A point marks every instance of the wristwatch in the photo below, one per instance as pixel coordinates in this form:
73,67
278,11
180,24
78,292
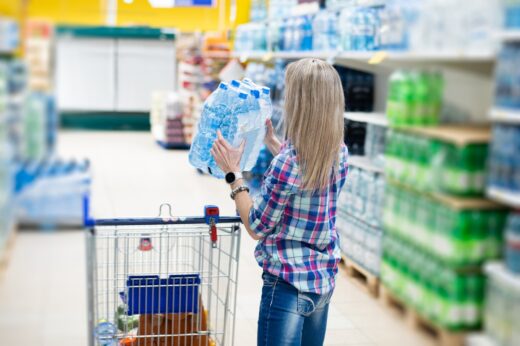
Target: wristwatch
231,177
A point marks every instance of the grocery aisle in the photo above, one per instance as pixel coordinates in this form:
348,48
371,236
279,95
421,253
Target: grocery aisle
44,292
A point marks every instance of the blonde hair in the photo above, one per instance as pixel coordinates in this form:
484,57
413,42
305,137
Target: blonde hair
314,106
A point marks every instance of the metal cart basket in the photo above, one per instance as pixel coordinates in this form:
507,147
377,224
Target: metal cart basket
163,281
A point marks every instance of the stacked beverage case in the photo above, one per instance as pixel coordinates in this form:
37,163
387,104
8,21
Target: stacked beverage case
414,98
433,165
507,92
456,235
239,110
504,160
448,297
359,218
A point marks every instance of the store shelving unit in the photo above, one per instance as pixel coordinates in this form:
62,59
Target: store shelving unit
509,35
504,196
365,163
505,115
470,68
374,57
455,134
369,118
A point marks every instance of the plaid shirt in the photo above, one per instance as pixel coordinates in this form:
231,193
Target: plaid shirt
298,228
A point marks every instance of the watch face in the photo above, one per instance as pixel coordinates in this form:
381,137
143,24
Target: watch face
230,177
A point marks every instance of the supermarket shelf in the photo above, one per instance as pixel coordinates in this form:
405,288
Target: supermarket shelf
456,134
456,202
380,58
216,55
497,270
466,202
369,118
365,163
509,35
504,196
505,115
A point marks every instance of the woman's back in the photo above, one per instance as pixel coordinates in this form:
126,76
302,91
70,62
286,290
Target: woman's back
300,242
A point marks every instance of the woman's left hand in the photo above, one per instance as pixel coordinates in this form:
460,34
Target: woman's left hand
226,156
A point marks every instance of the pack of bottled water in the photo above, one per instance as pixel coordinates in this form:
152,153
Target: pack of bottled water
325,31
251,37
239,110
50,192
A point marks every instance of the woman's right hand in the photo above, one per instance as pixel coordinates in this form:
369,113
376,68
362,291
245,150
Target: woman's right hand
272,143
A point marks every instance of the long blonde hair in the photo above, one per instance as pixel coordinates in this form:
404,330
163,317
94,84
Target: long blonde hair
314,105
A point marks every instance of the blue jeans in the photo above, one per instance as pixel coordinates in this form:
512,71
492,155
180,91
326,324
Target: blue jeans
289,317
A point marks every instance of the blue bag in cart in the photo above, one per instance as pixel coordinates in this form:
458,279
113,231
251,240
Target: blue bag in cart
239,110
150,294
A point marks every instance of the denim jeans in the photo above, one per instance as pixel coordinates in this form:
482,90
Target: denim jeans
289,317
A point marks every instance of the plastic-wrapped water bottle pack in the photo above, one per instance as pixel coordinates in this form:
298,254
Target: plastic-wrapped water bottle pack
239,110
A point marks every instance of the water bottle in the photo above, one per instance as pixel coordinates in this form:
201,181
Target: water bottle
318,30
105,333
251,130
265,103
214,110
346,27
306,29
296,38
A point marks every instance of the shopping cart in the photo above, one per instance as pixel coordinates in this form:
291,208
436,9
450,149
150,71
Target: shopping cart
162,281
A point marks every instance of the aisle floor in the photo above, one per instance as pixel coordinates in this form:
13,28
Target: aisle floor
43,291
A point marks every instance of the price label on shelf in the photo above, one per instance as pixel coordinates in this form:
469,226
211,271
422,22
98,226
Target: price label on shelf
378,58
268,56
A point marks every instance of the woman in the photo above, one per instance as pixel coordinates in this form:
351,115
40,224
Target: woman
294,217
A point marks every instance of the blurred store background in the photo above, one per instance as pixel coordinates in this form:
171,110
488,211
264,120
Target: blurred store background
429,218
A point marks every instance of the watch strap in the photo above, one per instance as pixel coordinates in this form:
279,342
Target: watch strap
238,175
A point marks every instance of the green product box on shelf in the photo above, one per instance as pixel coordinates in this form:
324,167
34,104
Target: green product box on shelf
457,236
433,165
414,98
449,297
462,169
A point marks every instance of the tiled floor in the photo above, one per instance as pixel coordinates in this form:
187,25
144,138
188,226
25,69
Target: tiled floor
43,293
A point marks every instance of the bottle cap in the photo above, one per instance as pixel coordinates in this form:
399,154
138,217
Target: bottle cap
223,85
255,93
235,83
266,90
247,81
242,95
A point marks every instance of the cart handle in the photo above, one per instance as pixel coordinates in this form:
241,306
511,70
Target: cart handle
190,220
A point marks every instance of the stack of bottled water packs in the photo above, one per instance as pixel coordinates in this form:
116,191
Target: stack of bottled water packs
239,110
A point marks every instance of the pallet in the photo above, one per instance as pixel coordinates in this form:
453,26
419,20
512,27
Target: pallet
441,335
5,253
361,277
